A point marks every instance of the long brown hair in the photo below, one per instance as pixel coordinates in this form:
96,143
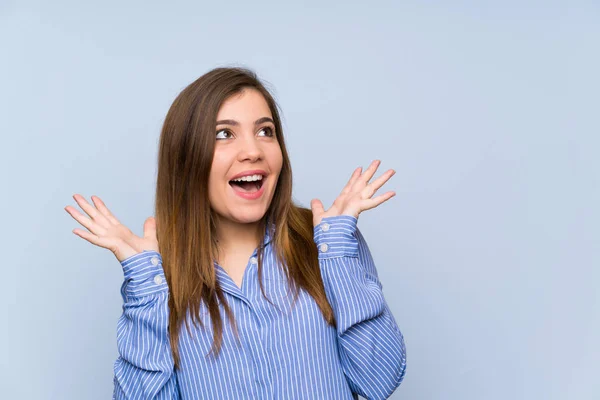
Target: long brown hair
185,225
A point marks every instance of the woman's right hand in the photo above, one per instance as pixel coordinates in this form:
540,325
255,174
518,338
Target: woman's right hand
106,231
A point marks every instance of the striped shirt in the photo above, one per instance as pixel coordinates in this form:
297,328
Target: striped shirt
283,352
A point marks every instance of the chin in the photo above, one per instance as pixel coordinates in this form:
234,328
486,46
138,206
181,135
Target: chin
247,217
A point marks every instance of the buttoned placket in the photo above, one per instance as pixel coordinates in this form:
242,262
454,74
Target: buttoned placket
255,342
258,343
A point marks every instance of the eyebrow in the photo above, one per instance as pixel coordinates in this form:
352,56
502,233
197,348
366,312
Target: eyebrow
235,123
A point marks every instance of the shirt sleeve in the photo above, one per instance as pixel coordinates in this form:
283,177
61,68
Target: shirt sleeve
145,367
371,346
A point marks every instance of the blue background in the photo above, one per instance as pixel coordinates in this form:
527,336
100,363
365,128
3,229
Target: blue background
488,254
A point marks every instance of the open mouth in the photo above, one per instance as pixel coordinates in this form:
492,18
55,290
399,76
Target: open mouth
250,186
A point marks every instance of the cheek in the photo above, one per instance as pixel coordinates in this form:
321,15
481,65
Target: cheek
275,159
216,181
212,187
218,169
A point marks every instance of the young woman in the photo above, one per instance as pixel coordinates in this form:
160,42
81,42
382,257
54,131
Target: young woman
235,292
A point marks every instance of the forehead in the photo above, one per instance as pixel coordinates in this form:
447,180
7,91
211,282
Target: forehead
246,105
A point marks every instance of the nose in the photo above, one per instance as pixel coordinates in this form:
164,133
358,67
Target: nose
250,149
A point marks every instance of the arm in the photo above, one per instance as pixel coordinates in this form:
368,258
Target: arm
144,368
371,346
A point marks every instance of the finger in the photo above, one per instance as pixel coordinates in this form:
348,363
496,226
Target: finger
91,210
353,179
368,174
317,207
374,186
94,239
150,228
374,202
85,221
104,210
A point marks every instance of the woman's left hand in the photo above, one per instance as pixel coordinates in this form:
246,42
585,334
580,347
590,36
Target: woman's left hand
356,195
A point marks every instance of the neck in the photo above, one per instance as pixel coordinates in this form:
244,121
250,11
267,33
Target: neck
233,235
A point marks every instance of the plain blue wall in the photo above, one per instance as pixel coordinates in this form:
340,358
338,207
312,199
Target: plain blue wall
488,255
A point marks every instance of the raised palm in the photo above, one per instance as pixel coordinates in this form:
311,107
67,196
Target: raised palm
106,231
356,196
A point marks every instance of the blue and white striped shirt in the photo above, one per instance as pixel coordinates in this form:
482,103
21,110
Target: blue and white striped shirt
285,353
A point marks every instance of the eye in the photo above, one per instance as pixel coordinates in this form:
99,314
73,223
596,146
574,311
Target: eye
270,131
225,131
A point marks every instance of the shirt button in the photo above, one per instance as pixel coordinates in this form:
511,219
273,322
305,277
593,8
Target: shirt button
154,260
158,279
254,260
324,247
325,226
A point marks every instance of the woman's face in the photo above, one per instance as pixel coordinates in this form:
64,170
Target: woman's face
245,144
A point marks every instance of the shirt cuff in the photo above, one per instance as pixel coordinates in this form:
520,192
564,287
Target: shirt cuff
335,237
144,274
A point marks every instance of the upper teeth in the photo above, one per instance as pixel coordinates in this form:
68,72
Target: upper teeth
249,178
